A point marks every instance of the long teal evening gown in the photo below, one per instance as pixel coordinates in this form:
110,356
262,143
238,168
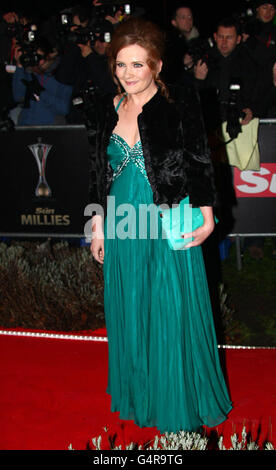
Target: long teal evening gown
164,367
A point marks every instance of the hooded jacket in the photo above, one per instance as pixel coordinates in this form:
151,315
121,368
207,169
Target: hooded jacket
174,143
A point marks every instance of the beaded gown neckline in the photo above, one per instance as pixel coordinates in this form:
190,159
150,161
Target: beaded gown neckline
118,135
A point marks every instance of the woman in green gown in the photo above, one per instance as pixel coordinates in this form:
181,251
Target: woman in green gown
164,367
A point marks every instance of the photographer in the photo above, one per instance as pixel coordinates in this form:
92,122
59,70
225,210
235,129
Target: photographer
260,35
44,100
87,42
182,32
7,61
94,66
93,76
267,102
260,42
230,64
68,21
82,40
226,66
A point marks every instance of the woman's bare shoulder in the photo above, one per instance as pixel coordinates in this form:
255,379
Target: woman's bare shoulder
117,98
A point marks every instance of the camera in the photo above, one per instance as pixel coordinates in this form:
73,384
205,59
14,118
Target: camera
107,8
68,32
199,49
88,104
89,34
246,21
30,56
233,110
66,19
98,27
22,33
86,96
26,38
28,47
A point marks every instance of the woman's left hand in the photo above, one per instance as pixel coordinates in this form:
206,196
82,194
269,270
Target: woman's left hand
200,234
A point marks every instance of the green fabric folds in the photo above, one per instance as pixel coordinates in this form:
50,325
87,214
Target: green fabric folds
164,368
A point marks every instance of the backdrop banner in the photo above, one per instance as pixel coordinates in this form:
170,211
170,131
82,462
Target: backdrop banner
255,209
44,180
44,183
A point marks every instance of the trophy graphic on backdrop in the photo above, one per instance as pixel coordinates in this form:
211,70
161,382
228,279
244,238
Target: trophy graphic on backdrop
41,152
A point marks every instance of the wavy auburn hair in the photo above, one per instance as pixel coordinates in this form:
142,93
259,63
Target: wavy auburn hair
144,33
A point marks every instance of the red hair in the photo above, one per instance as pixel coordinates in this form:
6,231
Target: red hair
147,35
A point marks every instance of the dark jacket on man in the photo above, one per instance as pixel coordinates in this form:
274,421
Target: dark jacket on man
237,68
261,44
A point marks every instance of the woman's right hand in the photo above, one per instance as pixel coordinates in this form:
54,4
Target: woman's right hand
97,244
97,249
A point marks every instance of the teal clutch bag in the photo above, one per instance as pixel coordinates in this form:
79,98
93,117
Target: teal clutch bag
179,220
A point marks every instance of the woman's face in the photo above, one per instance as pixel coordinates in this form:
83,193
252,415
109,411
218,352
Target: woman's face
132,70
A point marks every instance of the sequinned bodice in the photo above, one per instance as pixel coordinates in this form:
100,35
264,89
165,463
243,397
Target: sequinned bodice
120,154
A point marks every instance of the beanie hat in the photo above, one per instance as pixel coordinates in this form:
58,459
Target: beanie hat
258,3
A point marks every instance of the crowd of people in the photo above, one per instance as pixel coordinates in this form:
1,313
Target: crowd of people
50,68
44,67
234,73
242,51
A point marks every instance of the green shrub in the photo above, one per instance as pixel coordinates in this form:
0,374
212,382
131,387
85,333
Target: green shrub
50,286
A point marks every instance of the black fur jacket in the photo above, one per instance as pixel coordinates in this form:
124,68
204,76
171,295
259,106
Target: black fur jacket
175,149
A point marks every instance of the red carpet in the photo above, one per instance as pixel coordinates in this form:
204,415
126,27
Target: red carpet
53,394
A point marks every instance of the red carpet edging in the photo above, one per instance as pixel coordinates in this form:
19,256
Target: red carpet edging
96,335
53,335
